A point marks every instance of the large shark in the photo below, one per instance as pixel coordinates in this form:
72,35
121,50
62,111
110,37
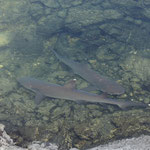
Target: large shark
69,92
99,82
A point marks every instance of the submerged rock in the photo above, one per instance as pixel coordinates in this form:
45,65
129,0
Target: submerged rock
139,66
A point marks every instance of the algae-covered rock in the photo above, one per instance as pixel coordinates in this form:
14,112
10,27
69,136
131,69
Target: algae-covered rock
45,110
131,122
13,12
6,85
147,13
139,66
96,127
110,126
4,38
103,54
69,3
27,43
47,26
51,3
60,111
84,15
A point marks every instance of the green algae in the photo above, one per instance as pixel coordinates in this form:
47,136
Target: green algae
4,39
139,66
45,110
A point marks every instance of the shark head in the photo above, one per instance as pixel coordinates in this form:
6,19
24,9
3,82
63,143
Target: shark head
26,82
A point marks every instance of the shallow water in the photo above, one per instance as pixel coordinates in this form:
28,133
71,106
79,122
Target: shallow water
112,37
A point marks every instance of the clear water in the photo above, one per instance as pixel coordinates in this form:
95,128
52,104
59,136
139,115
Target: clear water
112,37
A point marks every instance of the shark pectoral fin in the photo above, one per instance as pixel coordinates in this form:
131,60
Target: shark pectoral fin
71,84
38,97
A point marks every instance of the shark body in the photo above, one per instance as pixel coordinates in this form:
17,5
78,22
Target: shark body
99,82
69,92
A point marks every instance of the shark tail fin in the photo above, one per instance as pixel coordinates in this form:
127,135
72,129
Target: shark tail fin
126,104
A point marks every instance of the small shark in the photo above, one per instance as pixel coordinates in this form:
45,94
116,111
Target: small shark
69,92
99,82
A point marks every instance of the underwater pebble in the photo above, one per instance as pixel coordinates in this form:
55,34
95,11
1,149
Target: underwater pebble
123,96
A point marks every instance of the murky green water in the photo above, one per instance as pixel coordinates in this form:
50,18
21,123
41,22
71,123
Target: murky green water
111,36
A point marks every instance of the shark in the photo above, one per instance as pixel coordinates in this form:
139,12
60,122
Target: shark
98,82
69,92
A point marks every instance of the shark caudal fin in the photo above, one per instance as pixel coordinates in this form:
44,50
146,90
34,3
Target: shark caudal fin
126,104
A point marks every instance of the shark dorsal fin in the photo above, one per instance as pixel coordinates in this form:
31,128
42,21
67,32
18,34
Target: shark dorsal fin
71,84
